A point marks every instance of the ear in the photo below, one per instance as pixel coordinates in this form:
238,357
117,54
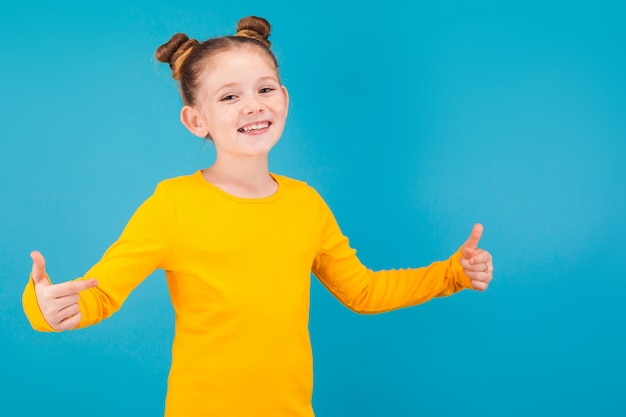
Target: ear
284,90
191,118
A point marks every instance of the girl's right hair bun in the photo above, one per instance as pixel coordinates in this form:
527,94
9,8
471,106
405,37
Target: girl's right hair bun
256,28
171,52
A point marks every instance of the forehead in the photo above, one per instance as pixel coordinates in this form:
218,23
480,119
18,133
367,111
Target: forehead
239,64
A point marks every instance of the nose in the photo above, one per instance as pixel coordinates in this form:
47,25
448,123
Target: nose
252,105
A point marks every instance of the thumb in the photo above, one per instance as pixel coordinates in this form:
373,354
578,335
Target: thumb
471,244
39,269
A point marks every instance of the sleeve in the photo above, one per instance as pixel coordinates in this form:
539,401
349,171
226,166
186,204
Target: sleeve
143,247
368,292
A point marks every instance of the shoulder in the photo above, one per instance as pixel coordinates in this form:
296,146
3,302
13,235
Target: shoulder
292,185
302,194
181,181
289,182
180,184
172,191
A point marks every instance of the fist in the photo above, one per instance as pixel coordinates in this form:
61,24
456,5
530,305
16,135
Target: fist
58,302
477,263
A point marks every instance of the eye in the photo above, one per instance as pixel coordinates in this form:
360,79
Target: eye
228,97
266,90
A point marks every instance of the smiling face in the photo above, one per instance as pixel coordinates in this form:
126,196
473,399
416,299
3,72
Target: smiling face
241,104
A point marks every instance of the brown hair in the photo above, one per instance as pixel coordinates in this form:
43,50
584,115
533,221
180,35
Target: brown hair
188,57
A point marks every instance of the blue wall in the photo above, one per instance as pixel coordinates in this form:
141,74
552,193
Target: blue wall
413,122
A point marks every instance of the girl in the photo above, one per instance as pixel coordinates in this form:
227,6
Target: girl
238,244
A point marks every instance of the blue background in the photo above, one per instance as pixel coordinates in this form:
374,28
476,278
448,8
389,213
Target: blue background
413,121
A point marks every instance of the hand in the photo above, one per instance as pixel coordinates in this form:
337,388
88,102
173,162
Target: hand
477,263
58,302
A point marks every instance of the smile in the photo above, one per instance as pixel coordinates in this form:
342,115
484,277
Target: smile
255,127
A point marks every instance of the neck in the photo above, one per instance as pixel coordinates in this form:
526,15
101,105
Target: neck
246,178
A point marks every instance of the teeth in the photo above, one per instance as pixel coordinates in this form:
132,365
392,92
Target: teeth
257,126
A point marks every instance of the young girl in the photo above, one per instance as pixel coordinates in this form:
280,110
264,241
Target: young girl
238,244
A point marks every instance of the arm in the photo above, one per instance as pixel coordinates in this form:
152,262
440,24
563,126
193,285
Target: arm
367,291
142,247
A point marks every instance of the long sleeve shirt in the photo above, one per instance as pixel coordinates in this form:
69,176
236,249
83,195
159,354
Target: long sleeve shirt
238,272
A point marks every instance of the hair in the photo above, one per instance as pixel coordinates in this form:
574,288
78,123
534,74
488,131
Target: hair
188,57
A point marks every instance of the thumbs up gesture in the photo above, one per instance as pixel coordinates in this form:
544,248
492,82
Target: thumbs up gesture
58,302
477,263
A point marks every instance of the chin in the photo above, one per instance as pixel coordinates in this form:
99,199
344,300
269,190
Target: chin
263,147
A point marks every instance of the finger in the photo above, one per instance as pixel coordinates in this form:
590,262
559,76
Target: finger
69,323
482,267
465,264
471,268
39,268
472,241
485,277
480,285
72,287
59,303
56,317
69,311
471,244
480,257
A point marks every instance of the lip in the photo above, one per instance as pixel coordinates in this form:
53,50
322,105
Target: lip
257,130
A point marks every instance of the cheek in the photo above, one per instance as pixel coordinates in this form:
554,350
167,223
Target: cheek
224,119
281,109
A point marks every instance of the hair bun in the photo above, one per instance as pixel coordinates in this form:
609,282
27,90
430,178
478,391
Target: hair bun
175,51
256,28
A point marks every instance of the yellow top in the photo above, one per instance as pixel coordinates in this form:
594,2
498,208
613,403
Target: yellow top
238,272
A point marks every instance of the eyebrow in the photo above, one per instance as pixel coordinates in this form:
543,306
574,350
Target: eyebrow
231,85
